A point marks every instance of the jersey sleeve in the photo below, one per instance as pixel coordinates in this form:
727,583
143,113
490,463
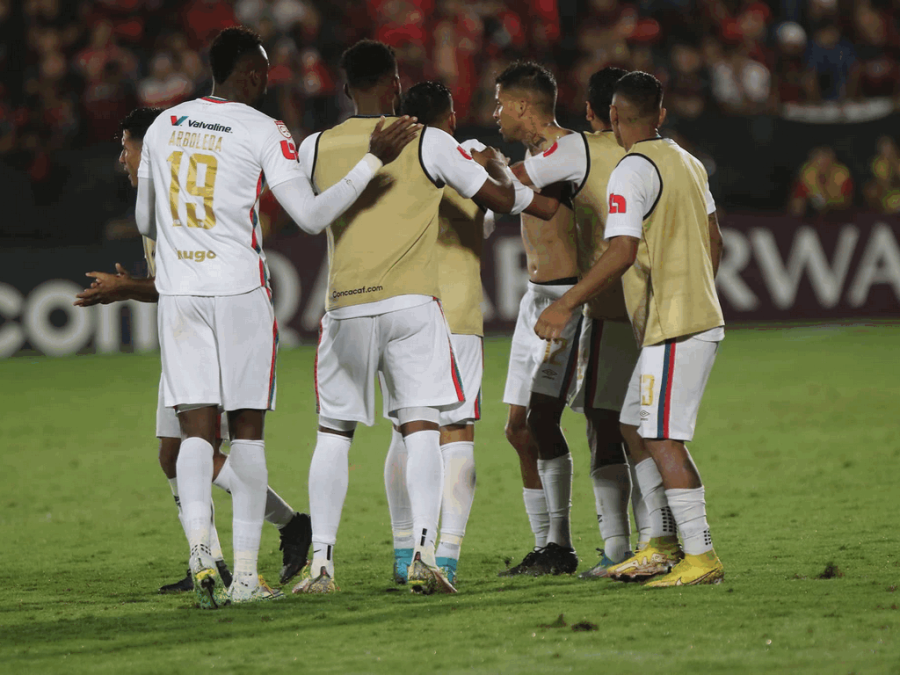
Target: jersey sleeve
710,202
632,192
307,154
563,162
277,153
445,161
145,168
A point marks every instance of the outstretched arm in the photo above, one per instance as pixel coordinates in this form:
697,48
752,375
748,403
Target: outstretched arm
312,212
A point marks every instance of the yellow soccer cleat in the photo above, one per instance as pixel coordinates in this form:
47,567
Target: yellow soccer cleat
657,557
694,570
239,594
427,580
321,584
209,589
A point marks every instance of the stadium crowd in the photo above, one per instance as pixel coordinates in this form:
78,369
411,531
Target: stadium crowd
84,64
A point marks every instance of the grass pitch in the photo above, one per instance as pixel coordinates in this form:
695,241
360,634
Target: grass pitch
797,443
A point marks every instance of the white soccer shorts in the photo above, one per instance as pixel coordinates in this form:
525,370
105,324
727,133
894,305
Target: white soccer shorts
409,347
607,355
536,365
167,425
219,350
468,350
665,390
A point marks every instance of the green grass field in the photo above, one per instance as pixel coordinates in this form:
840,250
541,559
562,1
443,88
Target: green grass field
797,443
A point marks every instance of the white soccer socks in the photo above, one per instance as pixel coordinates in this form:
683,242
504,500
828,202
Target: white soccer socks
662,524
556,477
689,509
248,496
425,484
397,494
538,515
278,511
194,469
612,489
459,493
641,514
329,475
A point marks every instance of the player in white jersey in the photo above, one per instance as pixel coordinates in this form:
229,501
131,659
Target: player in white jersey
204,165
607,353
381,311
294,528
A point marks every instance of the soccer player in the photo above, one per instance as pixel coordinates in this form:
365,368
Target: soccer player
607,353
664,238
462,230
294,528
203,166
540,374
381,309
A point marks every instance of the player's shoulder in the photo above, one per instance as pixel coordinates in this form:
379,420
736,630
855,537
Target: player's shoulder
472,144
568,145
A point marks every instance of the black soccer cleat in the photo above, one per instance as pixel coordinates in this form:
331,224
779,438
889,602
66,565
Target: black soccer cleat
224,572
526,564
182,586
554,559
296,538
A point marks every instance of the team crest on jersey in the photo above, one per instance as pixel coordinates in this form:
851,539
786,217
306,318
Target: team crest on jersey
463,152
282,127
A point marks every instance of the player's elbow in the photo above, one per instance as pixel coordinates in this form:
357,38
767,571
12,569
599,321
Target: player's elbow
506,199
626,250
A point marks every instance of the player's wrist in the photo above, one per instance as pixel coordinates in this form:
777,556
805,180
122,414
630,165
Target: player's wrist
373,162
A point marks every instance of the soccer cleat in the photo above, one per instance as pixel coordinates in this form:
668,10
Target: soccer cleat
240,595
427,580
554,559
694,570
658,557
182,586
529,560
321,584
209,589
224,572
601,569
447,566
296,538
402,561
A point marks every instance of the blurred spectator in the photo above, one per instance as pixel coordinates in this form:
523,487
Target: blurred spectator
688,93
457,42
106,100
793,81
823,184
830,57
876,71
203,19
165,86
740,85
883,190
101,49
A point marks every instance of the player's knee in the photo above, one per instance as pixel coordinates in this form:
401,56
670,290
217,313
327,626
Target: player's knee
517,434
603,426
541,420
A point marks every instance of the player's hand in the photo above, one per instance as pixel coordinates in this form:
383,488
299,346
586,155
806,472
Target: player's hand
552,321
105,289
386,144
488,154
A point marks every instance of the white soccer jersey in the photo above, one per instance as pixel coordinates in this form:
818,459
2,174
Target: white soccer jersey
209,160
565,161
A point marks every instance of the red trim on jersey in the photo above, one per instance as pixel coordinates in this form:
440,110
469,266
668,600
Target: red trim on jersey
549,151
214,100
254,242
272,368
594,362
463,152
670,377
454,369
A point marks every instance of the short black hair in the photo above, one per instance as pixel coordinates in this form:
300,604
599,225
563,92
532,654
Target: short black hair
427,101
532,77
228,48
600,90
643,91
138,121
367,62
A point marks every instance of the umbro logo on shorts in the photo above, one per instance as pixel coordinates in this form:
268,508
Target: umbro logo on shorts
549,373
645,414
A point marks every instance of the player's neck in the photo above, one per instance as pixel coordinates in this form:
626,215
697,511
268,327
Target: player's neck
229,93
598,126
643,134
540,134
374,104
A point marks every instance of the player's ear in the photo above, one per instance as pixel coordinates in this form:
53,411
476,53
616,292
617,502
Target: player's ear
347,91
662,117
588,111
